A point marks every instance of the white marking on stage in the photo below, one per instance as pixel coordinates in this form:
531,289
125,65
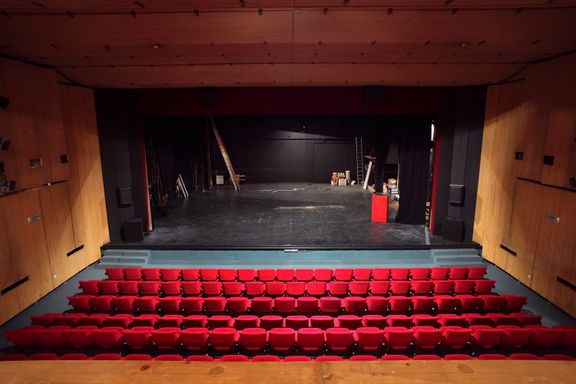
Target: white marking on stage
309,207
281,190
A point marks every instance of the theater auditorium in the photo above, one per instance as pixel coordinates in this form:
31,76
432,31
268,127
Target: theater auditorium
299,191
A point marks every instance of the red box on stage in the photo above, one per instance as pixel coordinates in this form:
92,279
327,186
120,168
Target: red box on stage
379,208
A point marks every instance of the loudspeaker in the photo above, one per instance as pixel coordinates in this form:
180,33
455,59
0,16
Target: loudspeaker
124,195
453,229
132,230
456,196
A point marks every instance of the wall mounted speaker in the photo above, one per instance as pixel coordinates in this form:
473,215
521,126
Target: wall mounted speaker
124,195
132,230
456,196
453,229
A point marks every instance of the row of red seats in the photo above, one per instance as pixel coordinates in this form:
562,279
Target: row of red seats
301,274
303,305
294,288
307,340
274,358
293,321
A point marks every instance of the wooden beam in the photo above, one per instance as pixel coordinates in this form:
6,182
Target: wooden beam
224,154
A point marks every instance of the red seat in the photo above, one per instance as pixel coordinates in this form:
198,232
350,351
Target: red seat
343,274
307,305
246,321
316,288
330,305
338,288
297,358
443,287
108,338
192,304
568,339
362,274
323,274
483,287
400,304
195,321
269,322
70,320
359,288
215,304
95,319
262,305
79,337
339,339
223,339
228,274
275,288
463,287
476,272
486,337
529,319
348,321
132,273
44,356
400,287
169,357
321,321
245,275
128,287
234,358
493,303
457,356
115,273
363,358
380,274
295,288
503,319
73,356
212,288
190,274
171,288
421,304
379,287
200,358
102,303
514,303
427,337
419,273
458,273
310,339
477,319
399,273
169,304
426,357
149,287
447,304
166,338
544,337
233,288
557,356
220,321
149,320
253,339
138,337
281,339
265,358
492,356
469,303
89,287
238,305
146,304
108,287
329,358
377,304
122,321
523,356
304,275
397,338
170,274
376,321
369,338
455,337
424,320
399,321
395,357
46,319
80,303
170,321
151,274
285,275
192,288
266,275
254,288
422,287
354,304
208,274
285,305
450,319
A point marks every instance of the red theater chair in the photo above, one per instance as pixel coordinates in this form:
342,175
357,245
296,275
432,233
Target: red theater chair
192,304
457,356
374,321
220,321
399,321
285,305
190,274
266,275
400,287
281,339
330,305
369,338
285,275
349,321
122,321
245,275
400,304
424,320
329,358
44,356
138,337
395,357
343,274
169,357
458,273
128,287
493,303
146,304
73,356
238,305
398,338
310,339
377,304
514,303
476,272
354,304
557,356
169,304
359,288
145,321
426,357
450,319
149,287
234,358
544,337
447,304
253,339
102,303
528,319
212,288
295,288
208,274
422,287
233,288
151,274
170,321
339,339
80,303
492,356
275,288
484,287
266,358
80,337
170,274
427,337
363,358
439,273
321,321
568,338
166,338
469,303
195,321
115,273
380,274
255,288
200,358
89,287
132,273
108,338
215,304
523,356
338,288
246,321
228,274
262,305
399,273
108,287
463,287
191,288
137,356
70,320
486,337
297,358
107,356
503,319
362,274
304,275
323,274
171,288
455,337
419,273
421,304
316,288
477,319
443,287
95,319
269,322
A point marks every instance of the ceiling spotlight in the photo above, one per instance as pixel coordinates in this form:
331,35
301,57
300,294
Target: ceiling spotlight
156,46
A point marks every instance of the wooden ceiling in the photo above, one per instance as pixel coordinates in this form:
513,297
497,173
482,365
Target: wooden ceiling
191,43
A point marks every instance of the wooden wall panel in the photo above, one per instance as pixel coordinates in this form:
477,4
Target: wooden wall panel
9,306
57,218
86,186
7,276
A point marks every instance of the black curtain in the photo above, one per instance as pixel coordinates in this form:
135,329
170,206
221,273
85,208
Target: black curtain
414,171
382,144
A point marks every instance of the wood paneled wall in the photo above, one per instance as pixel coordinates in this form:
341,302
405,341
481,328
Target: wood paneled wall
520,195
54,222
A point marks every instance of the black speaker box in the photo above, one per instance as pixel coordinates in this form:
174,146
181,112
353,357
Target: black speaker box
132,230
453,229
124,195
456,195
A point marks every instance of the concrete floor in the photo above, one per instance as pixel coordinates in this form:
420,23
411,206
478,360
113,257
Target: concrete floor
282,215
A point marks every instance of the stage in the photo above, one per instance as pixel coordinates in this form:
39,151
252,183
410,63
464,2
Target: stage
282,215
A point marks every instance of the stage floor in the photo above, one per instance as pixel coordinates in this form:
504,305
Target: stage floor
282,215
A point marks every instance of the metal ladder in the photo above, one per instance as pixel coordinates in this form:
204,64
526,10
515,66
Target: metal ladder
359,160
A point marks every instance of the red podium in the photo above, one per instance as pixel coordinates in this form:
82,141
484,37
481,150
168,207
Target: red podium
379,208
